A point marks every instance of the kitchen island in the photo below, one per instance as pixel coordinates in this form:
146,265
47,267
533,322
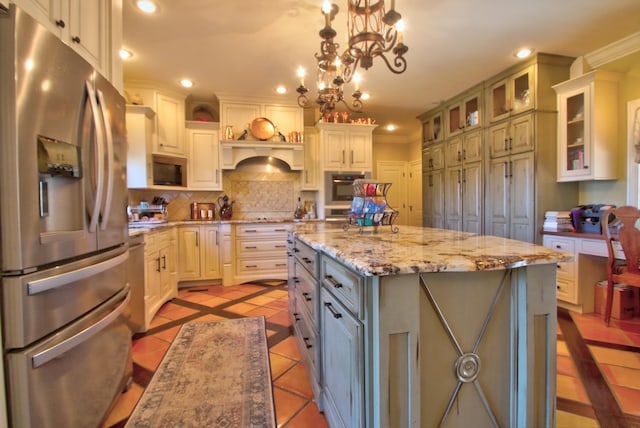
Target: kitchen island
425,327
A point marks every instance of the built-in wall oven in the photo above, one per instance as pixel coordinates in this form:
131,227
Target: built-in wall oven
339,186
338,193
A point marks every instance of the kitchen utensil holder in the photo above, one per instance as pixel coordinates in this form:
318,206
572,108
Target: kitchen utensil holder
370,208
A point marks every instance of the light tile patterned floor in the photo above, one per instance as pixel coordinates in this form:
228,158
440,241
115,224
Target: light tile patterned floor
615,349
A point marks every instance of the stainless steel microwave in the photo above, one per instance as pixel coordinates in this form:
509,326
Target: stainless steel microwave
339,186
169,171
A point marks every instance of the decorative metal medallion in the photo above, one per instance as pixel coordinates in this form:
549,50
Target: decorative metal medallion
467,367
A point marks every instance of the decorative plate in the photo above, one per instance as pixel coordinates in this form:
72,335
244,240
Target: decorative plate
262,128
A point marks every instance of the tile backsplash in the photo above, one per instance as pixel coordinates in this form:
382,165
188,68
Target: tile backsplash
256,194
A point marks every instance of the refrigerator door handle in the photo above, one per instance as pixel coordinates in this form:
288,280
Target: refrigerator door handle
49,283
55,351
109,144
95,214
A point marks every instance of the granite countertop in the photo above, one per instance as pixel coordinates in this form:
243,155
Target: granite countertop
417,249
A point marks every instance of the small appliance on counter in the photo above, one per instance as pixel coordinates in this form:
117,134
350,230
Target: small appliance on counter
146,213
586,218
203,211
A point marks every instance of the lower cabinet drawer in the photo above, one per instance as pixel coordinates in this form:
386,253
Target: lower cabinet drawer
308,343
257,248
567,291
342,283
306,293
262,265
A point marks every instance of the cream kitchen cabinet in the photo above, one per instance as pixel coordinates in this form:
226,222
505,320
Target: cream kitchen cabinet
238,113
433,202
588,127
169,137
203,145
198,249
576,279
160,283
346,147
511,201
170,125
260,251
86,26
512,94
512,136
311,173
463,182
432,128
140,126
464,112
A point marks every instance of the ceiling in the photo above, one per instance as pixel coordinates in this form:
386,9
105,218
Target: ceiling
246,48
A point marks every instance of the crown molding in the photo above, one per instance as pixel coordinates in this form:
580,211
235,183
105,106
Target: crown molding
613,51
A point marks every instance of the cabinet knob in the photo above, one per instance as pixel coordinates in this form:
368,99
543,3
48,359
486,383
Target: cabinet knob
75,39
60,23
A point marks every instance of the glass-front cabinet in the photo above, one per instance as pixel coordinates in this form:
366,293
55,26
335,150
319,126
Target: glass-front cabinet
587,127
432,129
464,113
512,95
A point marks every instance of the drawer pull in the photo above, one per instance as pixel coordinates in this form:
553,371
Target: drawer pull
250,230
295,316
333,282
280,246
559,247
306,343
335,313
280,264
250,247
252,266
280,230
306,296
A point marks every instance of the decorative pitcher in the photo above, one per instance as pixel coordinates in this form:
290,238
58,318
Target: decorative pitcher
226,207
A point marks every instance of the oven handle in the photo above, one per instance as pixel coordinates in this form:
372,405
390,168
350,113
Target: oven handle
46,284
44,357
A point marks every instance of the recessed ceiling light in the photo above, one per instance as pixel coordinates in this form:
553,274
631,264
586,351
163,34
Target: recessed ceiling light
125,54
523,53
186,83
391,127
281,90
365,96
146,6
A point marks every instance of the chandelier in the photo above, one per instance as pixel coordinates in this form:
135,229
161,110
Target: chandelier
374,32
334,70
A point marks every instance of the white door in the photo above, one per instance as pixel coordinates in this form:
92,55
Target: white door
394,172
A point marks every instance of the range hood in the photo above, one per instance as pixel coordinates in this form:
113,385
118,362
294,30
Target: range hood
234,152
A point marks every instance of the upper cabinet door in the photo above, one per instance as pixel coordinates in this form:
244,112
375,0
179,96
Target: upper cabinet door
84,25
464,114
170,125
512,95
587,127
432,129
87,30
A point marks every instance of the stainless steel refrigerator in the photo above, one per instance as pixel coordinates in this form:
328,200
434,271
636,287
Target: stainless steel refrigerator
63,231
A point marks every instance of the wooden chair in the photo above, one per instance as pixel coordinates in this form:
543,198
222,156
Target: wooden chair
627,270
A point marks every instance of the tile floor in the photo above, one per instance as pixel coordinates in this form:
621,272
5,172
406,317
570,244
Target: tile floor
596,364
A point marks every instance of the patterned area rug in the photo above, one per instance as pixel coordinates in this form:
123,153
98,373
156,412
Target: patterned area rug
215,374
